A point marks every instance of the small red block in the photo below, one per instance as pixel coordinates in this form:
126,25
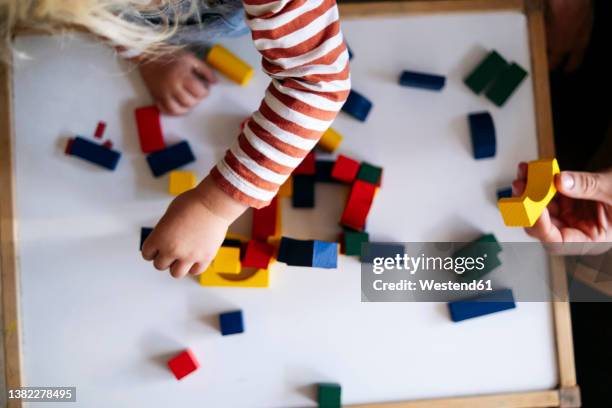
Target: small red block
345,169
68,146
307,166
108,144
264,221
100,130
257,255
358,205
183,364
149,129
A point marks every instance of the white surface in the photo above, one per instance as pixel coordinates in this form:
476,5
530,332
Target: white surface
98,317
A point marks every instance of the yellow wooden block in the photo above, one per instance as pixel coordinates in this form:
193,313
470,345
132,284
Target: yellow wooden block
259,278
229,65
241,238
227,260
525,210
330,140
181,181
286,189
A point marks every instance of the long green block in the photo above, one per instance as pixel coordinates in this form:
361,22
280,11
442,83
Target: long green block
370,173
487,244
486,72
505,84
353,241
329,395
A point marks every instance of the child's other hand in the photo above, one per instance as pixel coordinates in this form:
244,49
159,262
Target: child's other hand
191,231
177,83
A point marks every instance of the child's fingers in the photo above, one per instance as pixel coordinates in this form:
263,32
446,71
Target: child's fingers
170,107
196,269
149,252
196,88
163,262
185,99
180,268
205,71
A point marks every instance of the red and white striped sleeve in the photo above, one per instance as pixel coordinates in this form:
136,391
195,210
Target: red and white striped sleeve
305,55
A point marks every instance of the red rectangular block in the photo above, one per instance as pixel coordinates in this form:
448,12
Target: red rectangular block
264,221
358,205
183,364
149,129
345,169
307,166
100,130
257,255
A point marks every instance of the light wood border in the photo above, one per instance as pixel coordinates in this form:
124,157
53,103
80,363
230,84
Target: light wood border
566,395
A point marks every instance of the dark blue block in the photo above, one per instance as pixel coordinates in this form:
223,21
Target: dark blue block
171,158
482,131
357,105
303,191
296,252
422,80
231,322
94,153
323,171
235,243
371,250
504,193
349,51
144,233
493,302
325,255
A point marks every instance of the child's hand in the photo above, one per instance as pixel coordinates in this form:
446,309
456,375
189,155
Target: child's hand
188,236
177,84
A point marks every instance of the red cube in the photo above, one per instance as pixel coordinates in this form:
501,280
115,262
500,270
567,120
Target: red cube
264,221
183,364
307,166
345,169
257,255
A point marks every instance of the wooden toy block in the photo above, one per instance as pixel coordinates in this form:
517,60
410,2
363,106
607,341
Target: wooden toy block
345,169
482,305
350,51
286,189
352,241
93,153
370,173
295,252
230,65
303,191
505,84
487,247
170,158
486,72
482,133
181,181
257,255
227,260
108,144
357,105
422,80
307,166
504,193
150,133
231,322
265,220
259,279
380,250
330,140
183,364
358,205
100,128
237,237
144,234
325,255
329,395
228,242
525,210
324,171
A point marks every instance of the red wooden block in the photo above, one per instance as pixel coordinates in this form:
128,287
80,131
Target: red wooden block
358,205
108,144
68,146
307,166
345,169
149,129
264,221
183,364
257,255
100,130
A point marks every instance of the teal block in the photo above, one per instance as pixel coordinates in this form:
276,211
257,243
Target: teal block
370,173
505,84
329,395
486,72
353,241
486,244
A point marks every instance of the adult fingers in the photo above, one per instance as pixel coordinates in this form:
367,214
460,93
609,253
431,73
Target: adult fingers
586,186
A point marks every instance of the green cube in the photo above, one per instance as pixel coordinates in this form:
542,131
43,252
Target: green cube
486,72
329,395
353,241
485,245
370,173
505,84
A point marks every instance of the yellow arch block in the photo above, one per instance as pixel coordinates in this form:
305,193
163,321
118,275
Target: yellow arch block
229,65
260,278
525,210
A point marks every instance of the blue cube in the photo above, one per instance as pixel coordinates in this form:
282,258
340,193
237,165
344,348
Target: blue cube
231,322
357,105
325,255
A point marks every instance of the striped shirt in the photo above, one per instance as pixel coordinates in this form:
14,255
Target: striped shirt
304,53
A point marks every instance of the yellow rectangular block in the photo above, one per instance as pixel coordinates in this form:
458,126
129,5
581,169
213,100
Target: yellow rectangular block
286,189
229,65
227,261
260,278
330,140
181,181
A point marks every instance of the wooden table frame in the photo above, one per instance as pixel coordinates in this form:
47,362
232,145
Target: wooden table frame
565,394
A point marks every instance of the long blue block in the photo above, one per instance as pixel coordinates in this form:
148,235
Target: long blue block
493,302
295,252
325,255
422,80
94,153
373,250
171,158
357,105
482,131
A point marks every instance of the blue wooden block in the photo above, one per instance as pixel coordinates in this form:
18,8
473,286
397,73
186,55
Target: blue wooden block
482,131
170,158
324,170
144,233
493,302
373,250
94,153
231,322
303,191
422,80
350,52
325,255
504,193
295,252
357,105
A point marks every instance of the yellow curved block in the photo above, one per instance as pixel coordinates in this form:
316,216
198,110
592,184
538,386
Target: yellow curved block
229,65
330,140
260,278
525,210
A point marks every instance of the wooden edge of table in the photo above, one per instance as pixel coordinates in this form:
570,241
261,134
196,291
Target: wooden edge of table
394,8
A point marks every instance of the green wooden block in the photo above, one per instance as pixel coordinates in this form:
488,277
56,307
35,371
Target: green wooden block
485,245
329,395
505,84
370,173
486,72
353,241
